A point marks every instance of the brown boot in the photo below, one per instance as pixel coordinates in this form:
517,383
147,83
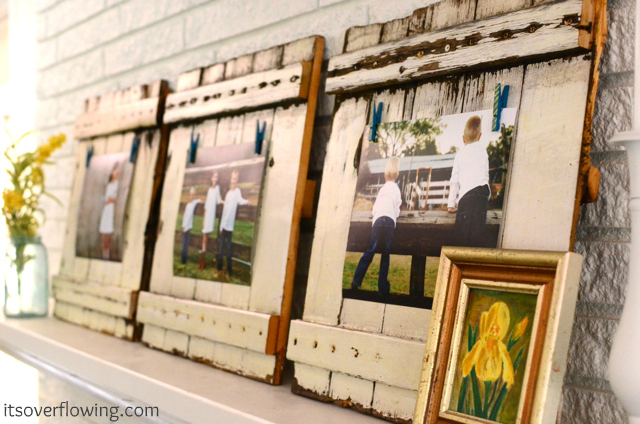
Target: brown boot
202,260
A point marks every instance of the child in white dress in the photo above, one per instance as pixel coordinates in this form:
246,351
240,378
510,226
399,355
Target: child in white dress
213,199
187,223
107,217
232,199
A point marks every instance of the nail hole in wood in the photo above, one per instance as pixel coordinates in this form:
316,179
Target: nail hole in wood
262,85
294,78
192,101
206,98
447,47
182,103
568,20
315,345
271,163
244,90
276,82
260,332
333,348
243,329
401,69
217,95
295,342
419,54
232,92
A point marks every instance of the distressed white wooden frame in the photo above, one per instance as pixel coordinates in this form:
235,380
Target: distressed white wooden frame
96,293
551,97
287,142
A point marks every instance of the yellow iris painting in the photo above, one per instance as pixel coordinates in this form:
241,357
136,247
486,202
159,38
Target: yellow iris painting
490,368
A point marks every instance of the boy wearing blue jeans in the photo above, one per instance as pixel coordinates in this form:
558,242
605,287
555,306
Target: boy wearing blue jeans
386,210
232,200
187,224
470,183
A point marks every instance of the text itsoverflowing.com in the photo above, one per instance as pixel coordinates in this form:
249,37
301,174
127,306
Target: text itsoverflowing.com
114,413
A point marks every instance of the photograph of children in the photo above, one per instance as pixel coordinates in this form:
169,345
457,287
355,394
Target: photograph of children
102,207
217,214
422,185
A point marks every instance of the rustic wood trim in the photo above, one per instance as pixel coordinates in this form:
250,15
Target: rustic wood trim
130,109
272,336
287,293
309,199
110,300
246,92
535,33
588,180
235,327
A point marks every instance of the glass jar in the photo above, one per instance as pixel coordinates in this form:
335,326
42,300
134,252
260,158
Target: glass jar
26,278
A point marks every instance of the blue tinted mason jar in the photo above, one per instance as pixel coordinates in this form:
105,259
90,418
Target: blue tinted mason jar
26,278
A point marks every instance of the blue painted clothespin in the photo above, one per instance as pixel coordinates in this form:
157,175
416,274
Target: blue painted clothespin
89,154
135,146
260,136
376,117
195,138
499,103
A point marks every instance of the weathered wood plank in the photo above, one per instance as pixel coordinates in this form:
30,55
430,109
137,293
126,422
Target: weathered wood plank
189,80
548,142
136,217
153,336
302,50
531,32
373,357
176,343
311,380
277,209
324,288
488,8
250,91
107,299
230,130
238,67
235,296
395,30
245,329
182,287
448,13
213,74
394,403
362,316
67,267
405,322
351,389
360,37
140,114
268,59
162,270
208,291
98,321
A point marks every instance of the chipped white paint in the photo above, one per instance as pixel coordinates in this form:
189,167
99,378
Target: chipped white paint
111,300
141,114
552,35
405,322
249,330
312,378
361,315
394,402
253,90
370,356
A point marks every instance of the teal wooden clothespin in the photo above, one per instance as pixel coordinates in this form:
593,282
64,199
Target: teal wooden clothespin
260,136
195,138
376,117
499,103
89,154
135,146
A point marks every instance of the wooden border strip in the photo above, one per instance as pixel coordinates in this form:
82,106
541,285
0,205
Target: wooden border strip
141,114
250,91
549,29
245,329
110,300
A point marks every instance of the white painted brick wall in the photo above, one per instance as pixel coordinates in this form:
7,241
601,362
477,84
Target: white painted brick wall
88,47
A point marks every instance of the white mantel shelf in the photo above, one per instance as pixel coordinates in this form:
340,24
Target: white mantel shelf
193,392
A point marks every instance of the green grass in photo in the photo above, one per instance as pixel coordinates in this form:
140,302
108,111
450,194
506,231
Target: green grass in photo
241,272
399,273
242,231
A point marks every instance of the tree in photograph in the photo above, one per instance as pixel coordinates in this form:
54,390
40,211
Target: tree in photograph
406,138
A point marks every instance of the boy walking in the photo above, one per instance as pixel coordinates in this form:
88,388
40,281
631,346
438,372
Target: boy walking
470,184
386,210
232,199
187,223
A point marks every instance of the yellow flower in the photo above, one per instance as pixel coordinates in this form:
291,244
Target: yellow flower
44,152
37,176
520,328
12,200
56,141
490,355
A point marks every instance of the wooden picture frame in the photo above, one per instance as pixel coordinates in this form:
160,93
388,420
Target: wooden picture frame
541,288
90,291
404,64
238,328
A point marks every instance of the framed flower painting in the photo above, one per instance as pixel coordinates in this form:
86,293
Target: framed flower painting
499,336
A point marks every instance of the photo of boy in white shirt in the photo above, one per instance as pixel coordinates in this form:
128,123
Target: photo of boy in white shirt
470,186
232,199
386,210
187,223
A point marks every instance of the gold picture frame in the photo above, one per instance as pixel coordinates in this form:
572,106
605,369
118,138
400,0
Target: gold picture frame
499,337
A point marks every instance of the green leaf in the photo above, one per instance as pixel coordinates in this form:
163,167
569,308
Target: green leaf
496,407
518,359
487,389
23,136
463,394
51,196
470,339
477,401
